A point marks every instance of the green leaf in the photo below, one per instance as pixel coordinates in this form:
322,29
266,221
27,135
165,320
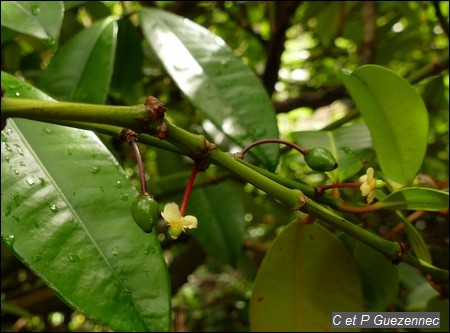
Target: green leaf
439,304
305,276
128,63
396,117
39,19
418,244
215,81
379,278
220,216
66,215
416,198
342,143
81,70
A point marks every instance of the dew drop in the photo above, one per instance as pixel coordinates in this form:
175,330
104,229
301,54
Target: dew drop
19,150
118,184
8,148
7,159
9,240
35,9
22,164
16,198
74,258
150,250
16,171
8,210
47,130
17,94
42,181
37,257
124,196
114,252
30,181
95,170
54,208
51,42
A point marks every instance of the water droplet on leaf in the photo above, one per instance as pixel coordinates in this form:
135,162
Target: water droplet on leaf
37,257
8,210
9,240
35,10
118,184
42,181
19,150
30,181
74,258
95,170
54,208
16,198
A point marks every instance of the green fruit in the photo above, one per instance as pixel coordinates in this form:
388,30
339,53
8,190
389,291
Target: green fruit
320,159
145,211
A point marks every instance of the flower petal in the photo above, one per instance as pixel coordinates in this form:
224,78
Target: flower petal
189,221
369,175
371,196
171,212
365,189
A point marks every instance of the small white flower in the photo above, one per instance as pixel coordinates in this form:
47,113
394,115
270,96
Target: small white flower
369,185
177,223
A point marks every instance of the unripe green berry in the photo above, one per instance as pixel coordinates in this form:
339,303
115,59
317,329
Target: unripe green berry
145,211
320,159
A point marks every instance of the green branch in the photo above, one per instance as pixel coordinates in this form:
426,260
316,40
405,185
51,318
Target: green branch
200,150
123,116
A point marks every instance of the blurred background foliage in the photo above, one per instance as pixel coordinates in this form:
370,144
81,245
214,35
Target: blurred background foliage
296,48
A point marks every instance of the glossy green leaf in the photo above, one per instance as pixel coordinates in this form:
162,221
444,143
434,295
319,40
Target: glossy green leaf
396,117
342,143
220,216
127,64
379,278
40,19
305,276
418,244
81,70
66,215
439,304
215,81
416,198
419,297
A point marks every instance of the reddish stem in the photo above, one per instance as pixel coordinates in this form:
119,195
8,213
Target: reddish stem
339,185
303,151
187,192
140,165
